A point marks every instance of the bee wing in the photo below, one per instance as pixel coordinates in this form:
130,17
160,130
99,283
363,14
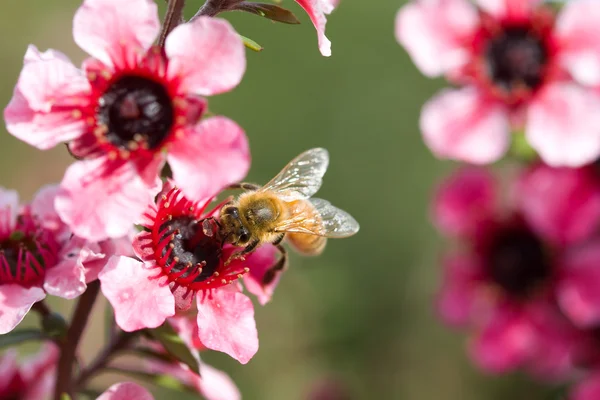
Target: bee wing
301,178
322,219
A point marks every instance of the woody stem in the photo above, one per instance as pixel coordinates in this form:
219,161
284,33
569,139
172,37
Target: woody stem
69,346
173,17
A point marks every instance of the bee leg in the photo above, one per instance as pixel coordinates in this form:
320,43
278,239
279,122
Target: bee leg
278,240
240,254
280,265
244,186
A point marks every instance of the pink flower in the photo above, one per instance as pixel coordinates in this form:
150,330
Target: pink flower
126,391
505,281
578,290
316,10
34,379
39,256
130,109
212,384
513,63
587,389
182,260
573,212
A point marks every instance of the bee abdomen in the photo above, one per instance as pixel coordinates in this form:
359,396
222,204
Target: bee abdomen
309,245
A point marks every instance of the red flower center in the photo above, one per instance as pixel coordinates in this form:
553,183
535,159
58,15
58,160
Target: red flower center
16,388
26,253
516,59
187,245
191,246
136,109
517,261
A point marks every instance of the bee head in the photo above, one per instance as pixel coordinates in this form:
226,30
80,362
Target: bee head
234,230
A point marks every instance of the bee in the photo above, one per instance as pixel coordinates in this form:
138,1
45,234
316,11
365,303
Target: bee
284,208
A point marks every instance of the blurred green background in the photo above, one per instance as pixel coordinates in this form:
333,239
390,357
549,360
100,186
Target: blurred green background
361,315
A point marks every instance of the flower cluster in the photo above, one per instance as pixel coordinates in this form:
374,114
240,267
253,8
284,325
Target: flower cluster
518,67
132,217
524,276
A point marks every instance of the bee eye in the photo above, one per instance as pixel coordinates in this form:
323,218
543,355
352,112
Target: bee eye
243,236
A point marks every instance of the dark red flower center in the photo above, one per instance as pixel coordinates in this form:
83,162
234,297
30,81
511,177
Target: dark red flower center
187,245
194,250
517,261
136,109
15,389
26,254
515,59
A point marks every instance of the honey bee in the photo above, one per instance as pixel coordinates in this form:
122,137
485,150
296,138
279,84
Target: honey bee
283,208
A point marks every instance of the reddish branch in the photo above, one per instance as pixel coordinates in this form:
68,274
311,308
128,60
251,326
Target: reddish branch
69,346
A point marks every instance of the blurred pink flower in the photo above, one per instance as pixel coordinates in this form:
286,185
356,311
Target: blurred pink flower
39,256
126,391
130,109
182,259
212,384
506,279
562,203
316,10
33,379
587,389
513,63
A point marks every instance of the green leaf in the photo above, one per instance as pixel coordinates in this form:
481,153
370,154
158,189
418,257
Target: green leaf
147,353
166,335
17,337
55,326
251,44
269,11
65,396
164,381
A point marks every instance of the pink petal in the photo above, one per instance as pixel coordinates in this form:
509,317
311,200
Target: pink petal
563,125
561,204
44,109
460,124
504,344
42,208
579,32
139,301
33,54
511,9
464,201
216,385
211,157
9,208
556,341
259,263
436,33
15,303
187,330
45,358
579,291
226,323
94,256
9,368
316,10
588,389
67,278
39,372
99,206
107,29
459,292
218,61
126,391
